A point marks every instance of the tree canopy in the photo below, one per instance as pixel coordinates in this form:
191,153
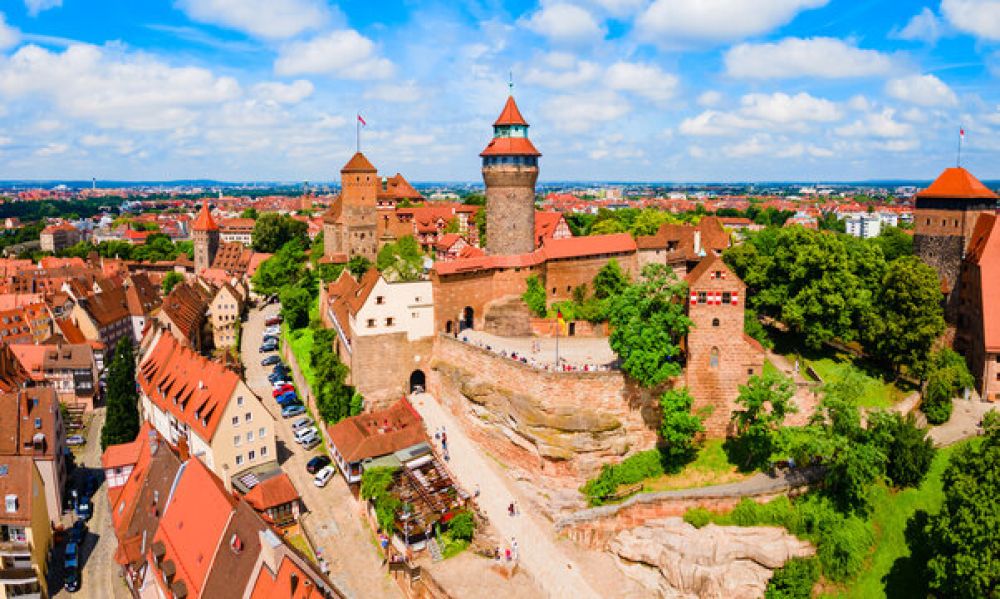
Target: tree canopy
402,260
285,267
679,428
170,280
764,402
648,322
121,423
273,231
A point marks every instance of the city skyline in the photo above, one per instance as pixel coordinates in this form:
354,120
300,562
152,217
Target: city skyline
618,90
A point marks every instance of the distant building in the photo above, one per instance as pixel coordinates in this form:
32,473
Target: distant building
205,235
357,442
59,237
863,225
225,311
349,226
238,230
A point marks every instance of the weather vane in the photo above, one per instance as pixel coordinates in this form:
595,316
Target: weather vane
510,83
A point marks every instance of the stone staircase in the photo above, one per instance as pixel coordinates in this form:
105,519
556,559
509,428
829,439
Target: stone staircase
435,550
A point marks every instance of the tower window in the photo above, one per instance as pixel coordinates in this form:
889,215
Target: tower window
713,358
726,298
715,322
702,297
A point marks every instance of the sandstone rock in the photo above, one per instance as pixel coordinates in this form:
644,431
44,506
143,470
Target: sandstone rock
674,559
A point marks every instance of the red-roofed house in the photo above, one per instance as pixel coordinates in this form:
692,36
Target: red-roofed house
550,225
276,500
59,237
376,434
185,395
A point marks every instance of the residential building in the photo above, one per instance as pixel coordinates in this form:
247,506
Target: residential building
360,441
69,368
184,312
59,237
142,297
225,311
104,317
25,530
865,225
31,425
681,247
237,230
276,500
187,396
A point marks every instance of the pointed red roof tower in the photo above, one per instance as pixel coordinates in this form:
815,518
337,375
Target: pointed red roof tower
204,220
510,170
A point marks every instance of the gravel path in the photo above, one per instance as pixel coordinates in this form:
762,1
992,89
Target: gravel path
540,555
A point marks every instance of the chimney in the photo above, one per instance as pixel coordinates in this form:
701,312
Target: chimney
697,242
183,451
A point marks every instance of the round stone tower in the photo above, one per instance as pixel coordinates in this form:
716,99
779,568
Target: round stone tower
510,169
205,238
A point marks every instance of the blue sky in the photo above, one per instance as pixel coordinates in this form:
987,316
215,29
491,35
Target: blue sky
659,90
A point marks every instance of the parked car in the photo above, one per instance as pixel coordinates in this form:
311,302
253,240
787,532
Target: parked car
84,508
72,552
292,410
311,442
71,577
289,399
76,440
279,383
324,476
268,347
274,320
305,433
282,390
276,376
279,369
269,339
302,423
272,330
271,360
317,463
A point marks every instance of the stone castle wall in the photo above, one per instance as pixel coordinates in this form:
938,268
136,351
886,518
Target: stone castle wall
561,426
563,275
381,366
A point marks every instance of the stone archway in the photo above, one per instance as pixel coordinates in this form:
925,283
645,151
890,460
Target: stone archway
468,319
449,327
418,381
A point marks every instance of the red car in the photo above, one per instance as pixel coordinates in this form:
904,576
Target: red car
282,389
273,321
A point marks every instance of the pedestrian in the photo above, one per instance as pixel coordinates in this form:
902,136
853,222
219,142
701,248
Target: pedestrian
510,509
476,495
507,553
513,544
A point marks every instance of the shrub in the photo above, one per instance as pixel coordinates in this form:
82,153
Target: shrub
907,447
534,296
698,517
794,580
842,549
462,526
636,468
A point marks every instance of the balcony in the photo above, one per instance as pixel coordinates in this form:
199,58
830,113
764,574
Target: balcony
14,549
18,576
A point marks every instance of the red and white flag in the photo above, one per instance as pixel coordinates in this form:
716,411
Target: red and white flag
362,121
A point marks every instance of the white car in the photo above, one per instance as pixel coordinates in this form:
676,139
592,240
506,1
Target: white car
323,476
272,330
278,384
305,434
302,423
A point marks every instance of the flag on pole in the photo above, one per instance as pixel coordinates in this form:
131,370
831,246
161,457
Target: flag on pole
362,121
559,321
961,133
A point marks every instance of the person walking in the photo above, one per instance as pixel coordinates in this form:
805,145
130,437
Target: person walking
513,545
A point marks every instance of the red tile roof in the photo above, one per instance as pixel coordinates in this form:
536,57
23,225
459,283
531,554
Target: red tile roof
956,182
578,247
358,164
272,492
510,146
510,115
204,221
286,583
378,433
545,225
126,454
200,387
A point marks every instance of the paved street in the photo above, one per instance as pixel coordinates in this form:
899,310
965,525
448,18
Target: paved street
100,578
540,555
334,520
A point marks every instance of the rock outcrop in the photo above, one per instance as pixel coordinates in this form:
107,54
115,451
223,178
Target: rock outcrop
674,559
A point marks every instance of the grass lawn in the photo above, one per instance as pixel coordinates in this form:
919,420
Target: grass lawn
771,369
888,565
301,341
880,390
711,467
299,542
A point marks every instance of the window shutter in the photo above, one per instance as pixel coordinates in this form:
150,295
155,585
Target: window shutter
736,298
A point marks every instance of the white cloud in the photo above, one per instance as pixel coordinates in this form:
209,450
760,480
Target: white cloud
709,98
565,23
284,93
925,26
644,80
113,89
401,92
8,35
270,19
822,57
676,22
52,149
859,103
978,17
763,112
923,90
579,112
36,6
122,146
619,8
783,108
560,70
877,125
344,53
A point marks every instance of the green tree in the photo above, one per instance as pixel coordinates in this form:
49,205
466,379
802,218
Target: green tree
764,402
610,280
375,487
909,317
295,304
649,220
908,450
273,231
753,327
480,222
851,470
462,526
358,265
648,323
534,297
402,260
607,227
965,534
283,268
249,213
452,226
947,376
894,243
679,428
474,199
170,280
794,580
121,423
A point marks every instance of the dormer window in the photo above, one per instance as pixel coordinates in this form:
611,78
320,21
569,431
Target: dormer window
10,502
379,300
